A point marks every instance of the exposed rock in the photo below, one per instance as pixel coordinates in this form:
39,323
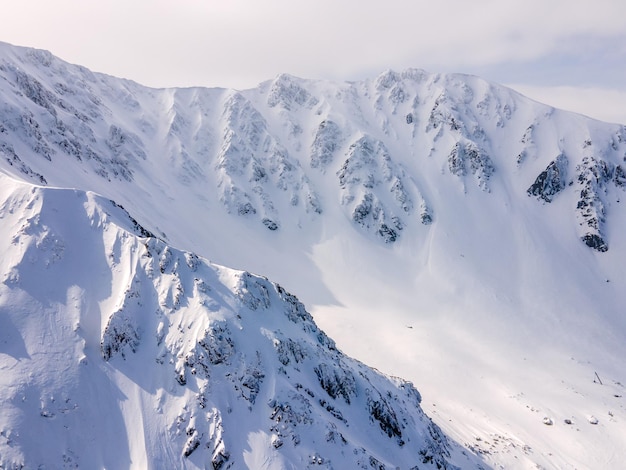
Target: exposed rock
136,226
595,241
593,177
216,347
253,291
387,80
456,162
7,151
270,224
443,114
286,92
619,177
385,416
468,154
336,381
368,179
251,163
326,142
119,336
551,181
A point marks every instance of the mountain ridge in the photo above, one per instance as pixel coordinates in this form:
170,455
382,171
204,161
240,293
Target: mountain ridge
435,217
226,366
273,167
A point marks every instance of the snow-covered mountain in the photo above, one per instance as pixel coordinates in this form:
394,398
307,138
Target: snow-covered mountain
120,351
438,227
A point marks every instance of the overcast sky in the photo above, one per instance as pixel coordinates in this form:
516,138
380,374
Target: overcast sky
570,54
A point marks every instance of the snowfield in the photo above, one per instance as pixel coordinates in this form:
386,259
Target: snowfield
437,227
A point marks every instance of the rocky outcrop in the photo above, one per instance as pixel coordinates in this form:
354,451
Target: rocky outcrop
467,156
593,178
286,92
65,121
551,181
252,165
377,191
326,142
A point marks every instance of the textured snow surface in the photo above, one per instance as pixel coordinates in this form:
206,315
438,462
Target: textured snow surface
438,227
120,351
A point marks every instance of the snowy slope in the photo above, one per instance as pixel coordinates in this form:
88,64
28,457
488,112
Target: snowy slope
119,351
439,227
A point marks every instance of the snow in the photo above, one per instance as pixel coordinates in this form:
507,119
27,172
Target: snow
125,352
498,311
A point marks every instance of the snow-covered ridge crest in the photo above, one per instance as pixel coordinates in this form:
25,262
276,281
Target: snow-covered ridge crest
268,153
223,368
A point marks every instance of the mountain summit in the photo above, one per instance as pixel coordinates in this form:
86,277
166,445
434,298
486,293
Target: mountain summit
438,227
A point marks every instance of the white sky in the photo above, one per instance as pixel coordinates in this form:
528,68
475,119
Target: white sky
570,54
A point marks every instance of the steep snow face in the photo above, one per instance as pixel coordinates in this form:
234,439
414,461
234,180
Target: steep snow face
439,228
120,351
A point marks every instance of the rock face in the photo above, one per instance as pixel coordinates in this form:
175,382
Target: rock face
252,165
224,368
373,186
550,181
594,177
469,156
326,142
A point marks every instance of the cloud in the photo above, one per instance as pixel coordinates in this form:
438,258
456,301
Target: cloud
598,103
239,43
342,39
